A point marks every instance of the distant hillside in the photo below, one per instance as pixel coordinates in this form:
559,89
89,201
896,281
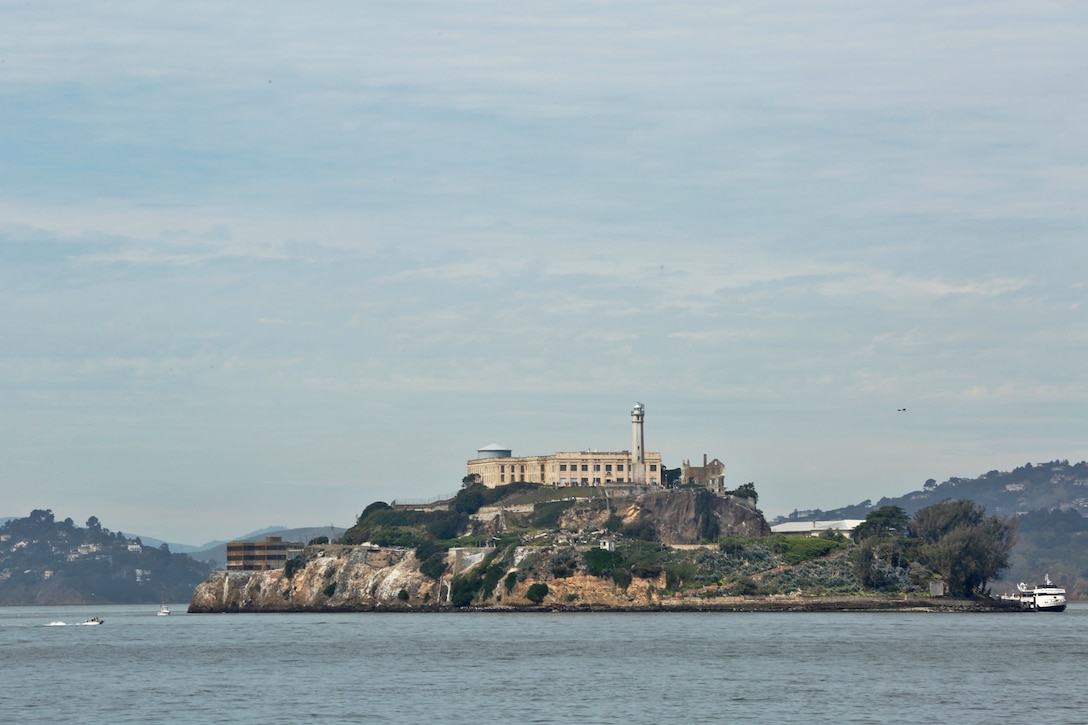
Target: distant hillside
1049,500
45,561
1039,487
216,554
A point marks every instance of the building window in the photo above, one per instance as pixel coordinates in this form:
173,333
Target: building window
597,481
585,480
502,469
619,480
585,467
523,469
619,466
502,478
653,466
562,466
596,466
608,466
562,482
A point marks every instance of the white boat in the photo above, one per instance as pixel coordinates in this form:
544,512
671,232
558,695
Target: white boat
1045,597
164,611
93,620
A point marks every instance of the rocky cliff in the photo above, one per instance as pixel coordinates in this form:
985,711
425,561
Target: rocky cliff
361,578
353,578
688,517
676,517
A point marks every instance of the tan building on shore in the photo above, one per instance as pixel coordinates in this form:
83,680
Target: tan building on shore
272,553
496,466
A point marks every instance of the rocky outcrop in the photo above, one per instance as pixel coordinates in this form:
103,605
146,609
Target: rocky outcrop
356,578
362,579
686,517
677,517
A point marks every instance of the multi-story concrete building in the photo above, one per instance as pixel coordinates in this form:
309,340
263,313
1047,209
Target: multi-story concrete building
271,553
496,466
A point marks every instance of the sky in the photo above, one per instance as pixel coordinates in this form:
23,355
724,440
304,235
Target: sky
267,262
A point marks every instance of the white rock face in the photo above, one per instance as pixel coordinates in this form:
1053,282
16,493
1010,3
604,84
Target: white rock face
349,578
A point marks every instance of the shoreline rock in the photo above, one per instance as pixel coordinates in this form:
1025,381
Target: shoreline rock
376,590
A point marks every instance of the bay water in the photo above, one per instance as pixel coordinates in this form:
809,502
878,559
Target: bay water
474,667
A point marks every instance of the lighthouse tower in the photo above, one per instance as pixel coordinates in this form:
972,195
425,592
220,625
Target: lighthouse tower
638,448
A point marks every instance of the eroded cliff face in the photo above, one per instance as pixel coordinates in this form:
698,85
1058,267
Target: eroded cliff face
677,516
368,580
337,577
363,578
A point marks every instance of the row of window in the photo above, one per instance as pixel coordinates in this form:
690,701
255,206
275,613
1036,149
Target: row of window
574,481
596,481
585,466
574,467
585,481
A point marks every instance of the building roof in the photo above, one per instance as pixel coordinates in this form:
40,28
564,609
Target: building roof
808,527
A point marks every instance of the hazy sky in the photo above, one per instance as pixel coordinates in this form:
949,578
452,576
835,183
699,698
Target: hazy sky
267,262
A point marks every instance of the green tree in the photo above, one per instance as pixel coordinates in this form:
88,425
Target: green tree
961,544
885,521
747,490
469,499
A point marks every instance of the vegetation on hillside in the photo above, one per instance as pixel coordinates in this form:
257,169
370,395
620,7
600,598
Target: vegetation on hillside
951,540
1038,487
45,561
1049,500
893,552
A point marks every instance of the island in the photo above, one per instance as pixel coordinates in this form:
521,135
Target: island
528,547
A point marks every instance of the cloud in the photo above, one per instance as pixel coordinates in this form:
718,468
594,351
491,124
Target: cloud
312,242
883,283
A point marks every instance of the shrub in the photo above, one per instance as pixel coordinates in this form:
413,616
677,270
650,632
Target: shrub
563,565
447,525
491,578
644,559
796,549
742,587
546,515
292,566
434,565
622,578
469,500
678,574
462,591
643,530
537,592
600,562
329,590
511,581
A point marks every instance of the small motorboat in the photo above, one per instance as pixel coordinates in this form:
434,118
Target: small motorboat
93,620
164,611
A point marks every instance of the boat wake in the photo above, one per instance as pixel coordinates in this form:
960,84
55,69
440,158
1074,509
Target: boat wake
57,624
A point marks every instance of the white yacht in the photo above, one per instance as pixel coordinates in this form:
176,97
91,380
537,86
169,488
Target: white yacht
1045,597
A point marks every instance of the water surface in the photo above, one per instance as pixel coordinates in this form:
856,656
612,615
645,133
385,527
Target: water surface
864,667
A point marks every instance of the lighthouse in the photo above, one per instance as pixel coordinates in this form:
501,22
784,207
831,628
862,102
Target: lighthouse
638,448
